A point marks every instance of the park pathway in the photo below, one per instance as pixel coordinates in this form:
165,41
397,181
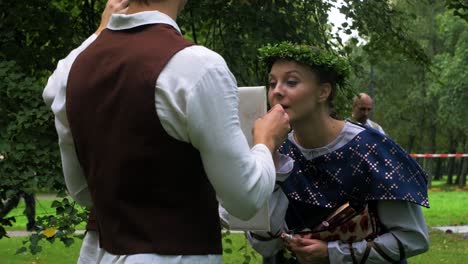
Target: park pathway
453,229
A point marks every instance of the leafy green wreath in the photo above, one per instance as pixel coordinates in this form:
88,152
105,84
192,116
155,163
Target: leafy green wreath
323,61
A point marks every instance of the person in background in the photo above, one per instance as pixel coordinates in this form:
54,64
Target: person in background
326,165
362,107
29,210
150,137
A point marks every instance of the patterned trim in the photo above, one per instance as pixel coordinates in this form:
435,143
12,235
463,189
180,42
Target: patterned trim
371,167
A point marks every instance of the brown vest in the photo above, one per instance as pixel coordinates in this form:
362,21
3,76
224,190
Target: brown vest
149,191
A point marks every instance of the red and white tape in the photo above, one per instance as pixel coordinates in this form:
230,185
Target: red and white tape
458,155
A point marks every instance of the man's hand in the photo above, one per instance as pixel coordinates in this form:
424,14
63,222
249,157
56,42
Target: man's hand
112,7
272,128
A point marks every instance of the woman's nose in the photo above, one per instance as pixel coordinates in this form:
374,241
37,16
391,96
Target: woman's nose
277,91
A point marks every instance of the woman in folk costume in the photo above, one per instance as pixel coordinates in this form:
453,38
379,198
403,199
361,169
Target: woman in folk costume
348,194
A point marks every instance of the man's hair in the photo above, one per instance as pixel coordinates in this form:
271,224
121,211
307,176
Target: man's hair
358,97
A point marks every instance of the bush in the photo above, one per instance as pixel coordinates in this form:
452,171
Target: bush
29,155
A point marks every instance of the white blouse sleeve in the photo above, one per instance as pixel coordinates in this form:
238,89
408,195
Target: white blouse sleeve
243,178
268,244
284,166
402,219
54,96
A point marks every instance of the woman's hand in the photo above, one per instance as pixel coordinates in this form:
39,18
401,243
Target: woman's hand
308,251
112,7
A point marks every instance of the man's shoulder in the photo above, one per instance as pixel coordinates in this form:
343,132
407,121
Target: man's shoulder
199,56
373,123
354,122
375,126
194,62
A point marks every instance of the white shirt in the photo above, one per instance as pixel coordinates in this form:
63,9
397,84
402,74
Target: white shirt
405,220
374,125
196,102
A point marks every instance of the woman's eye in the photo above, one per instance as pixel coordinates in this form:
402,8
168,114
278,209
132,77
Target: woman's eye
292,83
272,85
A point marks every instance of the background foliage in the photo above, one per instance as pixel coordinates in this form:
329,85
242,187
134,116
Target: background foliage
417,49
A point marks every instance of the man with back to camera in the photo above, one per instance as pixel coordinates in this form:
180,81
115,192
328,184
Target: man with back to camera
362,106
149,135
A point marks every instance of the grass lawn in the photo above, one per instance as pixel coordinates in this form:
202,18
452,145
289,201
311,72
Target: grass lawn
448,207
57,253
445,248
42,209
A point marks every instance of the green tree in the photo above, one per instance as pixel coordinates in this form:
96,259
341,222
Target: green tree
451,89
422,106
27,139
35,34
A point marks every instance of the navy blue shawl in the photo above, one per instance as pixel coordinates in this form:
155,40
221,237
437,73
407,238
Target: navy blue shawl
371,167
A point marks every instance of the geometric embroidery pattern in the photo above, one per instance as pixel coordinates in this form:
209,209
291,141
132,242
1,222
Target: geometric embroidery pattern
370,167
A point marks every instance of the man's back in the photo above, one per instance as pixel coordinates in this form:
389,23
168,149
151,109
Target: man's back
126,154
195,101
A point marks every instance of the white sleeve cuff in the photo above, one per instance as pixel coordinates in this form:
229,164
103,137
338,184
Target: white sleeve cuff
262,148
285,165
265,248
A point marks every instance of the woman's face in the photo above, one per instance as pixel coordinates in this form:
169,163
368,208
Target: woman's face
295,87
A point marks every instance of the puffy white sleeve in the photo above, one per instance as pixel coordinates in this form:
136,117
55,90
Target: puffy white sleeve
243,178
268,244
54,96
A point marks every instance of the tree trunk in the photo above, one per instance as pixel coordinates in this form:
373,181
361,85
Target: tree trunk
192,27
464,166
89,15
438,170
421,134
425,162
451,161
463,171
457,170
432,107
410,145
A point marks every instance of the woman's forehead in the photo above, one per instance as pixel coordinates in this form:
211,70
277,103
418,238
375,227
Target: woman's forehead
284,66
